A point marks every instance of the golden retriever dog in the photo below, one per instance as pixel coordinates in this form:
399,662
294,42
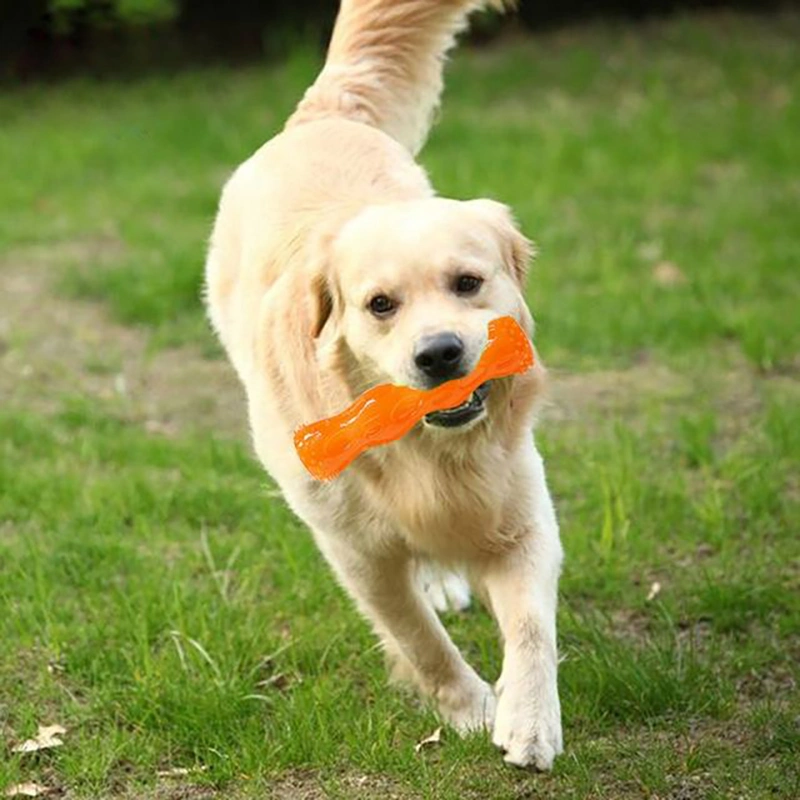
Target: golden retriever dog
334,267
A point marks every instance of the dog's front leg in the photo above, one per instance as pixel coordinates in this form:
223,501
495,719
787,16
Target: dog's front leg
386,589
522,590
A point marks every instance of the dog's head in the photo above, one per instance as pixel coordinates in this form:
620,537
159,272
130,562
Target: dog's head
410,288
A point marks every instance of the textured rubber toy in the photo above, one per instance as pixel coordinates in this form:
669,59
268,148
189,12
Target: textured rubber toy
387,412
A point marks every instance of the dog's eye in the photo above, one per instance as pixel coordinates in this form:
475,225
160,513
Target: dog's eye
381,305
467,284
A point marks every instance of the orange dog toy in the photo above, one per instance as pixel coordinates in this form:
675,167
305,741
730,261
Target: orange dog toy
386,413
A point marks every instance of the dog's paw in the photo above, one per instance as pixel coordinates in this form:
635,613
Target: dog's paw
528,724
469,707
445,589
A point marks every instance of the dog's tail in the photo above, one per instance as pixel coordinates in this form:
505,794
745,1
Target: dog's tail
384,64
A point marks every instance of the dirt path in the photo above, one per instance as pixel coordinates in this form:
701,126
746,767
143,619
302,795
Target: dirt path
52,347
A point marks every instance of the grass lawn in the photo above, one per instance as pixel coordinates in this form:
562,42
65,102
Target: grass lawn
159,601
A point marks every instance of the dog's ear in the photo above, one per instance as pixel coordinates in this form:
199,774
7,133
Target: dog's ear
518,251
323,303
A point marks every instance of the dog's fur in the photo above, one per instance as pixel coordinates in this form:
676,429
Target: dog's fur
324,215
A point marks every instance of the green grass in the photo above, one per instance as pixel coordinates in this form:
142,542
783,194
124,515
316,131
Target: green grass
157,599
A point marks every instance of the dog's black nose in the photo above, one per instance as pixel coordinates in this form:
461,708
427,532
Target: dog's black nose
439,356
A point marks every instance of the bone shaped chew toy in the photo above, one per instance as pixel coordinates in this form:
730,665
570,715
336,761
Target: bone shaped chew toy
387,412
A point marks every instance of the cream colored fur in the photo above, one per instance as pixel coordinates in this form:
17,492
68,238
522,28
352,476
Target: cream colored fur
323,216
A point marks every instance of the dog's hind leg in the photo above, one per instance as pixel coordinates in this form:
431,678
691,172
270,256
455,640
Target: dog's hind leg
446,589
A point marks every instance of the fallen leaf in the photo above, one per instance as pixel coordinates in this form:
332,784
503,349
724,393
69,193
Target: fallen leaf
665,273
434,738
655,590
281,681
179,772
47,737
27,790
174,772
